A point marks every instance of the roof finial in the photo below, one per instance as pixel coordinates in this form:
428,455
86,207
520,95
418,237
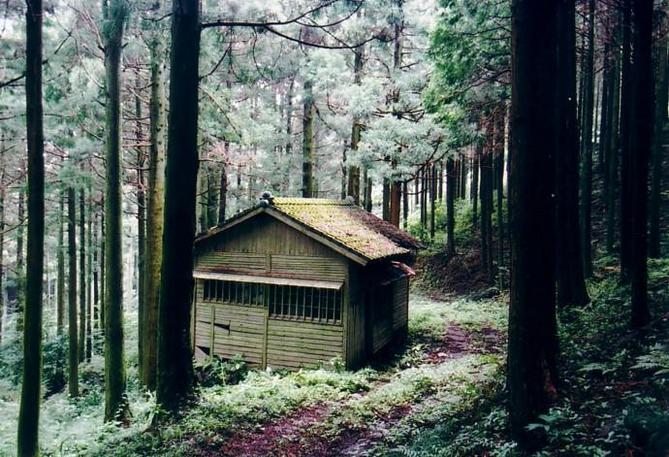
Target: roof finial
267,199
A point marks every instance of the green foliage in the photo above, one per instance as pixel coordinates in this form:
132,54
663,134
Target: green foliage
214,371
464,230
54,364
655,361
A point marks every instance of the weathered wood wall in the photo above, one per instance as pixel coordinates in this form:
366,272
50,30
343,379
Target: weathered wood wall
265,246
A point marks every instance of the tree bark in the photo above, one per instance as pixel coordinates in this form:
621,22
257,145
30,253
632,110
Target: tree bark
433,198
385,201
450,207
499,185
28,443
613,142
73,352
175,367
476,165
487,200
141,230
115,380
354,170
641,132
661,101
155,211
89,280
308,141
587,144
19,275
532,347
223,192
2,229
626,143
570,279
82,276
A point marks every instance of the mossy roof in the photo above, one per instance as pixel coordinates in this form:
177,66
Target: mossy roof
346,223
342,222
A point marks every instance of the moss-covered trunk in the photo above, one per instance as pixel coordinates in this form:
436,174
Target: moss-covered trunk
155,214
115,380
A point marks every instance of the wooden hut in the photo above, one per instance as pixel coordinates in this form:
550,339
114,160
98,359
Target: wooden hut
296,282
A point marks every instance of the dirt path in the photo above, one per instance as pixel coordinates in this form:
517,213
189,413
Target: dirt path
300,434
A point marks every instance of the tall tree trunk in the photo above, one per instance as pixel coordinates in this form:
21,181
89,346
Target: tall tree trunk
289,133
19,276
433,198
155,210
141,229
73,353
405,204
627,146
2,230
28,443
60,297
82,276
499,185
613,142
103,266
587,144
211,196
641,132
89,280
308,141
394,185
476,165
450,207
223,191
385,200
175,367
396,198
115,400
570,279
661,101
354,170
532,351
463,178
487,201
368,189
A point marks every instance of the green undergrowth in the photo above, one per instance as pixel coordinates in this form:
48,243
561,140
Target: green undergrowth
357,399
614,388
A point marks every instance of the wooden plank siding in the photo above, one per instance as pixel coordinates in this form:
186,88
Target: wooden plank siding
354,321
267,247
292,344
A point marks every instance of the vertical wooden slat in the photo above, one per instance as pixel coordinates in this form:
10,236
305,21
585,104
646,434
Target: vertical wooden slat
212,340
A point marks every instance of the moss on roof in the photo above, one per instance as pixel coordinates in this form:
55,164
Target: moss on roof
349,225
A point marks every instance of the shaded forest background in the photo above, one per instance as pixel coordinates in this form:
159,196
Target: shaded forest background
160,120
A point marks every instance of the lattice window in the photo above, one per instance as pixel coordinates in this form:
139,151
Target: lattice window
305,303
239,293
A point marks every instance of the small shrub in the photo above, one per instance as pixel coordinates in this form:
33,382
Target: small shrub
214,371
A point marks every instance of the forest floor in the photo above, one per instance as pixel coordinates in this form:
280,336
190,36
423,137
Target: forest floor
442,395
454,351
